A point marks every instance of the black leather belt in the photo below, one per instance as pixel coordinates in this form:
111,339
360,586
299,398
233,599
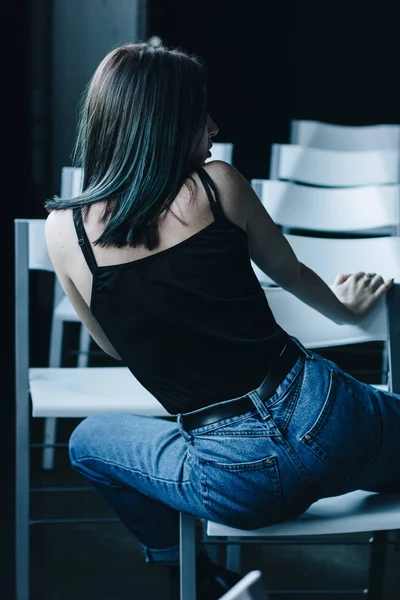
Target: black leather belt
218,412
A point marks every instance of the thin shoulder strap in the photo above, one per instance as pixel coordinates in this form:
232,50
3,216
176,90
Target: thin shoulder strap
211,192
83,240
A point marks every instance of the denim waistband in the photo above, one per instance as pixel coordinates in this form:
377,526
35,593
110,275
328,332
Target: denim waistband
208,415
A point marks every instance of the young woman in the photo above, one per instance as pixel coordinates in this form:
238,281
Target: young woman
155,255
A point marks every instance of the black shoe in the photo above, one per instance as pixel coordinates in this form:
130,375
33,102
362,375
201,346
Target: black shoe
212,581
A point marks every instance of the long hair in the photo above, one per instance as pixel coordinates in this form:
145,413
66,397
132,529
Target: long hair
141,114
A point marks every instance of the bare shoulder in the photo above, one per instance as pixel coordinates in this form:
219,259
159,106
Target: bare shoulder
234,191
57,219
223,173
58,232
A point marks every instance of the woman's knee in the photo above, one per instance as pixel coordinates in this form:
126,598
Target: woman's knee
89,437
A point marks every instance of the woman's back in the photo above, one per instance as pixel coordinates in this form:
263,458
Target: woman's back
189,318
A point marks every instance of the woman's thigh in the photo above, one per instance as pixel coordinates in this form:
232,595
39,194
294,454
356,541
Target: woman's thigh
147,454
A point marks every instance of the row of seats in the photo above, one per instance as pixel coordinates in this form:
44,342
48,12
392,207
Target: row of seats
368,212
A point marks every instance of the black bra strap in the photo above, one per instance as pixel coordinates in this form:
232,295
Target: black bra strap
83,239
211,195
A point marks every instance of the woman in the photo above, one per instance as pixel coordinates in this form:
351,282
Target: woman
155,255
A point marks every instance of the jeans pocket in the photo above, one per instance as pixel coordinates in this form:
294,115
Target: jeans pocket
244,495
346,435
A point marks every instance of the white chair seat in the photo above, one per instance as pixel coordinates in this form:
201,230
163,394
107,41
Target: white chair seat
79,392
349,513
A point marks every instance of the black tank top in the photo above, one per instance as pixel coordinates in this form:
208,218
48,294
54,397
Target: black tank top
191,322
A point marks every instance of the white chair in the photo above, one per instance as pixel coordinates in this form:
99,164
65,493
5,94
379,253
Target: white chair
329,136
356,512
333,168
330,256
54,391
248,588
360,210
221,151
372,210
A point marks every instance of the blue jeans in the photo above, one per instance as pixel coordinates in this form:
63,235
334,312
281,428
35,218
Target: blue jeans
322,433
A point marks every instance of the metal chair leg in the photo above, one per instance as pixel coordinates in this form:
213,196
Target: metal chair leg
49,437
50,423
22,515
385,363
233,555
84,347
377,565
187,557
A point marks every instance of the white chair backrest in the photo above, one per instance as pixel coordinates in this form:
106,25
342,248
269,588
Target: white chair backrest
30,245
361,208
248,588
71,181
317,331
221,151
314,166
329,257
30,253
327,136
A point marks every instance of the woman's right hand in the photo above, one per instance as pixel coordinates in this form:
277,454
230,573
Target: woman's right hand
360,292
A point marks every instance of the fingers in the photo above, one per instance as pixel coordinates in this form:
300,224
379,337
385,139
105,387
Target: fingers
375,282
359,275
383,287
388,284
368,277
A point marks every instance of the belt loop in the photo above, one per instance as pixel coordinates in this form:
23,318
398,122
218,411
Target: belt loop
307,352
186,436
259,404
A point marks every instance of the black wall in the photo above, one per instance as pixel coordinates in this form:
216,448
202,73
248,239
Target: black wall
273,61
15,196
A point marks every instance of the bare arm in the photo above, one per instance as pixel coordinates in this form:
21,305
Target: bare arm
83,312
56,240
345,302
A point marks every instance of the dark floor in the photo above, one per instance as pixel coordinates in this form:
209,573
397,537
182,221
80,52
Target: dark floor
92,561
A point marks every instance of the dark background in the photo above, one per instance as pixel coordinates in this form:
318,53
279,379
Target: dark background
269,62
